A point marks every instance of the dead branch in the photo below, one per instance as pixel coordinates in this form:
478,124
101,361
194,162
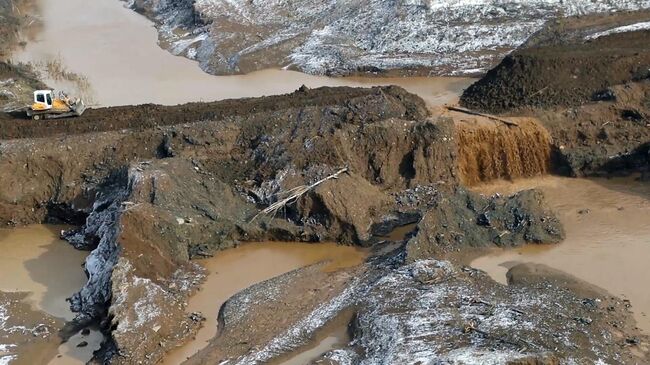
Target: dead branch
489,116
294,194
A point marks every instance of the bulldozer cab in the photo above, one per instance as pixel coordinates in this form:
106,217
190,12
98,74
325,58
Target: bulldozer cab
42,100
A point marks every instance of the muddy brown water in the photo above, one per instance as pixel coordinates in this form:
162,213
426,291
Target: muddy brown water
607,225
34,260
333,335
489,149
109,54
234,270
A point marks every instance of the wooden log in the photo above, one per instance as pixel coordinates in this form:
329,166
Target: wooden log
489,116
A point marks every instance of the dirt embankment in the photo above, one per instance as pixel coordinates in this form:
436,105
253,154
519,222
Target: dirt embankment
156,186
562,66
587,81
16,125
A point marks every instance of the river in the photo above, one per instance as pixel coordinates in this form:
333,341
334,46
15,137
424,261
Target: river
111,54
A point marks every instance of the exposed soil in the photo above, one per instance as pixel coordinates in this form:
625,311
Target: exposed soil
16,125
156,193
559,67
591,94
153,187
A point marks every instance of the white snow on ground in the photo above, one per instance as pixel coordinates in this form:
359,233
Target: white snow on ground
5,360
386,34
302,329
331,36
624,29
5,349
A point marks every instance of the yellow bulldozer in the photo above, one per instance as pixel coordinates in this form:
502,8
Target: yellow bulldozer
47,106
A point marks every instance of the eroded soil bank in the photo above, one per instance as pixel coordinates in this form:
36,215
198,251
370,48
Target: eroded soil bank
607,236
156,195
155,187
187,184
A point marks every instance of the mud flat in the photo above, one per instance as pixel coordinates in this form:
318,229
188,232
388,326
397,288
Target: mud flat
607,236
234,270
109,54
38,271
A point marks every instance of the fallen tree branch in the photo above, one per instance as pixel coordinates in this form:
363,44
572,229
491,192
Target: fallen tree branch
471,112
294,194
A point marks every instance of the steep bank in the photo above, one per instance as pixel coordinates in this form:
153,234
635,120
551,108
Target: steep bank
586,80
370,36
160,185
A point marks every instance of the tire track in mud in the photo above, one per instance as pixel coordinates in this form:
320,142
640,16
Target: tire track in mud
16,125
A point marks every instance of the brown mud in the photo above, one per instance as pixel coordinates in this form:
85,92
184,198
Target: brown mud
593,95
158,185
151,116
154,187
559,67
182,191
236,269
607,235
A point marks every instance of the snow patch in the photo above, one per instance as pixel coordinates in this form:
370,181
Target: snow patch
448,36
624,29
6,359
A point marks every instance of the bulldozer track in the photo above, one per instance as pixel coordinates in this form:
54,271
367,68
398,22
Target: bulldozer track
17,125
